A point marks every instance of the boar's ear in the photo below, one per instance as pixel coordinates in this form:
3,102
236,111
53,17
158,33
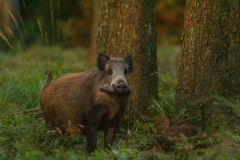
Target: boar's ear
129,61
102,61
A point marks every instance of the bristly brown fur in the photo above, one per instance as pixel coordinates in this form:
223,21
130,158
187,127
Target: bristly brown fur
78,102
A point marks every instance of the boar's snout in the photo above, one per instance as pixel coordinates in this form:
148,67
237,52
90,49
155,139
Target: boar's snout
121,87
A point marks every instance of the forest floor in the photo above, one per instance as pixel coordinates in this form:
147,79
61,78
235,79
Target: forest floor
23,133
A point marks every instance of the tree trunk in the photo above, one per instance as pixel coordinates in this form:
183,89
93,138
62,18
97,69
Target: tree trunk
95,21
209,74
127,27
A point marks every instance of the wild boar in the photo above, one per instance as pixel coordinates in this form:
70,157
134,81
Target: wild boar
90,101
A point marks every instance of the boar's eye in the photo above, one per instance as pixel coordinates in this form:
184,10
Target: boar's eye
110,72
125,71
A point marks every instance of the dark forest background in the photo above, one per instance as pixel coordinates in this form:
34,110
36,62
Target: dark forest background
69,23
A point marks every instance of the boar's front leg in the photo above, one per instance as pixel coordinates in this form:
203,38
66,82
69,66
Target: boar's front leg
109,134
91,136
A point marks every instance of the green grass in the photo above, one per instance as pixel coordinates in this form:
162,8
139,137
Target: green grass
23,74
168,57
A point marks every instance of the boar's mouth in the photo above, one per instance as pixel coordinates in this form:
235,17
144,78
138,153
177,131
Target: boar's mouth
113,92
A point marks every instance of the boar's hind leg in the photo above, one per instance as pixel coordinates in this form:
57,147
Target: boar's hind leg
91,136
109,133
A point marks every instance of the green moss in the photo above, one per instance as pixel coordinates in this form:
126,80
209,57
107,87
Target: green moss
227,136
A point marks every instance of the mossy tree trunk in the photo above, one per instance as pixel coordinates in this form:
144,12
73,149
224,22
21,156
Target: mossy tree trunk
127,27
209,75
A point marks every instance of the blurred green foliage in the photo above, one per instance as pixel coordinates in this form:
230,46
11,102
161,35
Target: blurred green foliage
169,15
60,21
68,23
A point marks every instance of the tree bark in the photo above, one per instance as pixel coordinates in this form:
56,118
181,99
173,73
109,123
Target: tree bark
95,21
127,27
209,74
